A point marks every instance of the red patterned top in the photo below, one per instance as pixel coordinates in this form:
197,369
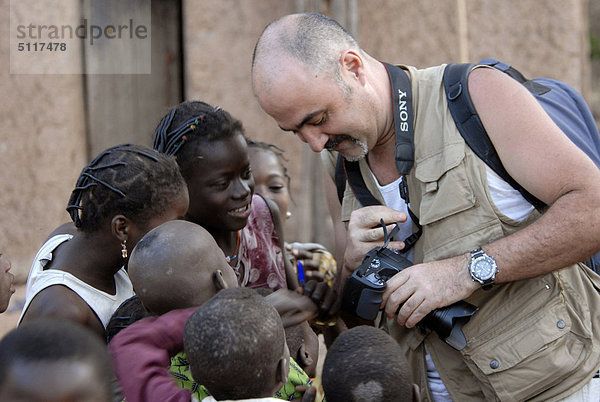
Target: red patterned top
260,259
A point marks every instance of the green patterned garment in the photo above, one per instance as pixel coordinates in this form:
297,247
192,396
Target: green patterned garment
180,370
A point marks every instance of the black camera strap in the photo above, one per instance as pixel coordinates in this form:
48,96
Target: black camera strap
404,151
403,118
387,237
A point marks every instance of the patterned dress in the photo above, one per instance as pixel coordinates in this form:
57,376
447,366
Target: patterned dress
260,258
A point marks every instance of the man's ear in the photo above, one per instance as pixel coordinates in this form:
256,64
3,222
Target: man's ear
304,358
218,281
352,65
121,227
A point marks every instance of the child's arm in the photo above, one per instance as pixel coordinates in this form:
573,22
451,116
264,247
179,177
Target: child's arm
292,307
290,272
141,355
60,302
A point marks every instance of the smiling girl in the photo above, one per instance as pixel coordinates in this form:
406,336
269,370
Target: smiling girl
212,154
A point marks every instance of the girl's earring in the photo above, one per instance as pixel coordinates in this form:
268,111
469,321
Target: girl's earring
288,215
124,249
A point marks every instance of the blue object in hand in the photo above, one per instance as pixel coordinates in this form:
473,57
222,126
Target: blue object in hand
300,272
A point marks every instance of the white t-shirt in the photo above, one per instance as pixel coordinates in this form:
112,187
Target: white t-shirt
392,198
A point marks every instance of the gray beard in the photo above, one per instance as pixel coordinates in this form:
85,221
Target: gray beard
336,140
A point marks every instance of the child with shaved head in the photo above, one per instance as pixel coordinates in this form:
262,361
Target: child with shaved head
176,266
366,364
245,357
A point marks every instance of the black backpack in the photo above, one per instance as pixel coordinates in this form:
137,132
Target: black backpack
564,105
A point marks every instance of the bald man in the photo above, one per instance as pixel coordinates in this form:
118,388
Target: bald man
537,331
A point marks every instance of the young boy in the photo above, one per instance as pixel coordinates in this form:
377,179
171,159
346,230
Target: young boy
178,265
303,344
236,346
54,360
366,364
167,273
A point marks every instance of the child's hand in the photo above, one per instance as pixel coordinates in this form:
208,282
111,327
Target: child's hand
323,296
318,264
309,393
292,307
310,266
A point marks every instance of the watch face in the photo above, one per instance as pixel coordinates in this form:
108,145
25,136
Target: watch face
483,269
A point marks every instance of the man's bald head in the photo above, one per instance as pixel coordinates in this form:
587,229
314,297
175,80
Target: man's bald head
311,39
312,78
175,266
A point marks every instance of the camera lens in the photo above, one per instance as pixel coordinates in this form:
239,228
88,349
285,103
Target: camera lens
448,322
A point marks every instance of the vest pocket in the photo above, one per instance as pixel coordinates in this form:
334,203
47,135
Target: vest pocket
445,185
538,351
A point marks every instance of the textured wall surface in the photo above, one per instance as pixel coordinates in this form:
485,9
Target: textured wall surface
419,33
42,147
541,37
546,38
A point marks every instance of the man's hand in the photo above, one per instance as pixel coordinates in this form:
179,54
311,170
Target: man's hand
417,290
365,232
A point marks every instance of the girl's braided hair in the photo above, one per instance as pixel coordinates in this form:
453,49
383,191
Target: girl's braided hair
129,179
193,122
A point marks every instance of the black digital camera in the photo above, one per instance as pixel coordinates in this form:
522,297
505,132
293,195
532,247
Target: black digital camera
364,289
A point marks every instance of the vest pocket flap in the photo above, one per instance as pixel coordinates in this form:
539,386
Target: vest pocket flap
434,166
445,186
536,334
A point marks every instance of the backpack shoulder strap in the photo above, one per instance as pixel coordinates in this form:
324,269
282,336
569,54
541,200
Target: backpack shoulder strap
357,184
471,128
534,87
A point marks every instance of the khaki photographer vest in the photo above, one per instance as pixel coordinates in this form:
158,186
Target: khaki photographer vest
535,339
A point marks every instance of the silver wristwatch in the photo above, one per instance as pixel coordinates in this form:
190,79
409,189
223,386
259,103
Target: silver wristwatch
483,268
